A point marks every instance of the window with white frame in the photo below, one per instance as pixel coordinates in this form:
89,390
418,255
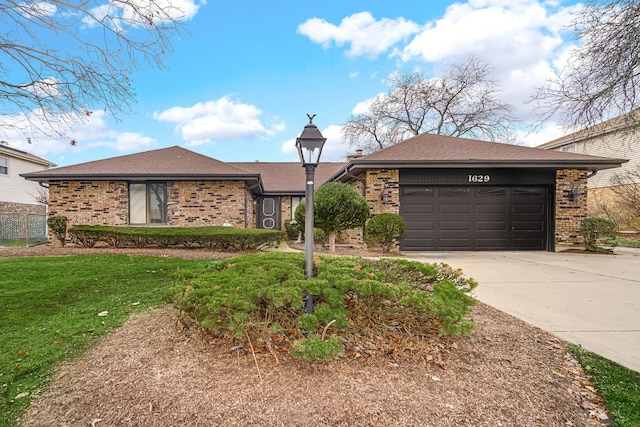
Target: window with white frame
4,166
147,203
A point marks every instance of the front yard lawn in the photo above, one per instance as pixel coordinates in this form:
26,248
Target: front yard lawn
53,308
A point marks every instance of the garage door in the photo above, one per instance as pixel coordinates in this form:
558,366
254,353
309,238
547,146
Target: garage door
449,218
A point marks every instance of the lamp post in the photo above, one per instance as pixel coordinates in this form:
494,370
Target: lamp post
309,145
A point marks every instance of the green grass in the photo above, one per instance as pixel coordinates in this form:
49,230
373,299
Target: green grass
49,312
23,242
628,243
618,386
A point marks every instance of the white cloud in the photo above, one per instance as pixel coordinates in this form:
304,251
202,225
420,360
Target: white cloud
522,40
361,30
511,34
92,133
334,149
138,12
220,119
40,8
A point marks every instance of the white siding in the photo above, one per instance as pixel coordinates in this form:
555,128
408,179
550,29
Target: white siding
13,187
619,145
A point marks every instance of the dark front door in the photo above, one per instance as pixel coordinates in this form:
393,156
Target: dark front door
269,213
448,218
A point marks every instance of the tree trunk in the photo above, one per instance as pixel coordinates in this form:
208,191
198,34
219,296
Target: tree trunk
332,242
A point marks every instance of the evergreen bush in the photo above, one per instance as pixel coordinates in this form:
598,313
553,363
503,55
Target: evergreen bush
261,296
385,229
58,226
594,229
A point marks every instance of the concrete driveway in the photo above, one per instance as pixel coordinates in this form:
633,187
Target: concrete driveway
587,299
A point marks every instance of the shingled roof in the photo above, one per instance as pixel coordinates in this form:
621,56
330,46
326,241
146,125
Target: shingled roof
440,151
288,178
14,152
165,163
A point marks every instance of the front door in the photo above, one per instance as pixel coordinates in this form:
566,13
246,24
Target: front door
269,213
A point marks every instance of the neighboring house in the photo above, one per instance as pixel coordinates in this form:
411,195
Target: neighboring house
618,138
454,194
17,195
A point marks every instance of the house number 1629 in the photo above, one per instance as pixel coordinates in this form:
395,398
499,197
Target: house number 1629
479,178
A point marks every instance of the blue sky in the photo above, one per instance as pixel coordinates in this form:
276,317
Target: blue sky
239,85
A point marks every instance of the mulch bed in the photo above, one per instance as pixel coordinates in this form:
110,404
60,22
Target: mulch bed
157,371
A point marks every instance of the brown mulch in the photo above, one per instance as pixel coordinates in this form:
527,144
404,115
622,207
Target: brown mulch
155,371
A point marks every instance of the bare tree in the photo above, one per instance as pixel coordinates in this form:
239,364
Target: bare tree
61,60
602,77
460,103
627,187
41,195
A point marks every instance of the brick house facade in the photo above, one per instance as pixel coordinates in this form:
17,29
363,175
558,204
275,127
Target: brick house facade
195,190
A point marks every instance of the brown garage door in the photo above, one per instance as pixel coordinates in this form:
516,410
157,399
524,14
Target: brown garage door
449,218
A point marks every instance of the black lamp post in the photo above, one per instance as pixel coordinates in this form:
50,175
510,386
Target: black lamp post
309,145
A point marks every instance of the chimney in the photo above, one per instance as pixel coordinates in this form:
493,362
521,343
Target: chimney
354,156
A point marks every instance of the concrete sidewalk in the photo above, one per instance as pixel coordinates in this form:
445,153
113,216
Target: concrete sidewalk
587,299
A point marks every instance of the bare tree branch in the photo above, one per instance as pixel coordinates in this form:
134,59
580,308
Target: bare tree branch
59,61
602,77
460,103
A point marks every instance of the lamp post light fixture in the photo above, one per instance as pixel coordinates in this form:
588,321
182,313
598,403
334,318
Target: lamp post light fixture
309,145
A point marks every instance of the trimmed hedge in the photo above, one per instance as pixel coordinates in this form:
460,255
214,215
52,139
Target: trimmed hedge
227,238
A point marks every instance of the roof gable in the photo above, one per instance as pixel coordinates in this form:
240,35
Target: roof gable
288,177
430,151
23,155
162,163
440,148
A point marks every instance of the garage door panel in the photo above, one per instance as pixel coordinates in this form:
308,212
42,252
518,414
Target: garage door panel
421,226
527,226
448,209
419,244
537,208
445,226
419,209
491,226
537,244
492,209
453,244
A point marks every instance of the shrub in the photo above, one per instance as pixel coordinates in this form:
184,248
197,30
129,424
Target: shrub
261,296
594,229
292,232
58,226
336,207
226,238
384,229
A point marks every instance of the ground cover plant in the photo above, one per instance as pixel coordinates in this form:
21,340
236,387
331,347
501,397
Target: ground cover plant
52,308
360,305
618,386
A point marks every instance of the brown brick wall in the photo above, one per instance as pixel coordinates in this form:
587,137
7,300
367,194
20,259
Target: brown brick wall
569,214
200,203
90,202
189,204
377,180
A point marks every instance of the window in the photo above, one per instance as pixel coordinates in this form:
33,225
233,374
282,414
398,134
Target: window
4,166
148,203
